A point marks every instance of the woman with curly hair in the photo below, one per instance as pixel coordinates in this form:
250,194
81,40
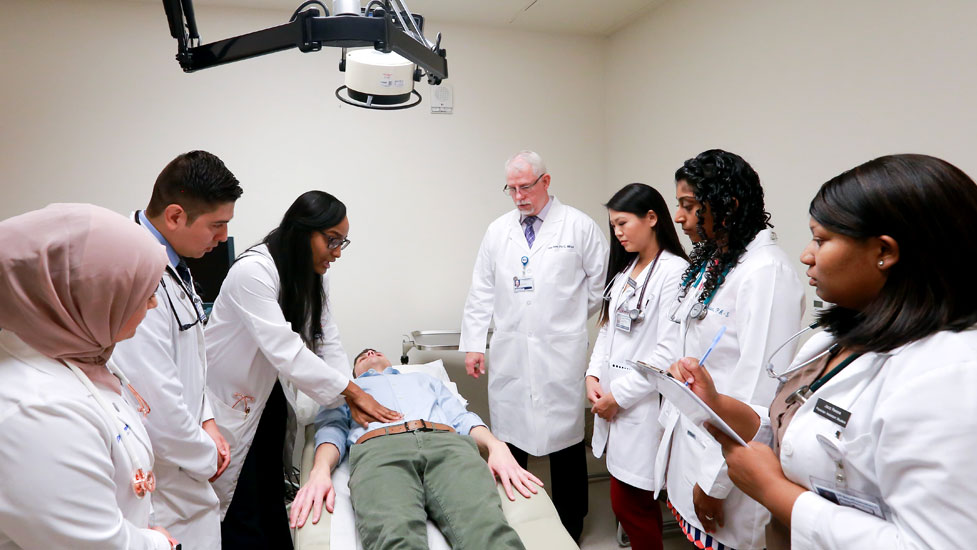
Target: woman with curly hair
738,281
869,441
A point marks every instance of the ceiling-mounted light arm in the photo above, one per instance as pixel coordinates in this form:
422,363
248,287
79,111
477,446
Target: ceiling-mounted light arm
308,32
398,6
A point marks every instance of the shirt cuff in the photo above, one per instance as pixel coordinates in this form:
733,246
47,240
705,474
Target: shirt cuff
714,477
803,519
468,421
628,394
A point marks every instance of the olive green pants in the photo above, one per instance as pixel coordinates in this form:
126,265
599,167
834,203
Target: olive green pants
398,481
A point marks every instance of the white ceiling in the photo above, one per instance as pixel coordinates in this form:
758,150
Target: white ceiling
594,17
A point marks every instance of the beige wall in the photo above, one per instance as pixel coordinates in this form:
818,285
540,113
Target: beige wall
803,90
93,105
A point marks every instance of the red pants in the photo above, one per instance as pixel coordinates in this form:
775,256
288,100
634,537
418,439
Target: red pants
639,514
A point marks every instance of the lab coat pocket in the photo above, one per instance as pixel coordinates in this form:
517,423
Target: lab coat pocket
562,266
234,425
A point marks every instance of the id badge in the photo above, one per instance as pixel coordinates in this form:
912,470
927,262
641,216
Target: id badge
849,497
622,321
522,284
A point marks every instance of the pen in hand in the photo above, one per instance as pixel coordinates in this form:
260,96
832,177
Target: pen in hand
715,340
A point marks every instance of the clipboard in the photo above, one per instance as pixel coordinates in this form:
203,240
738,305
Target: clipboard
684,399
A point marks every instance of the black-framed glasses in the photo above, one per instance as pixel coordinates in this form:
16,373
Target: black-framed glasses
332,243
523,189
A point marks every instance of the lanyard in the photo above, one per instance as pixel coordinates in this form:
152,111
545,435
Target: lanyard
712,293
834,372
804,392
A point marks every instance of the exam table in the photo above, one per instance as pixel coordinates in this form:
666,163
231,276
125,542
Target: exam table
534,519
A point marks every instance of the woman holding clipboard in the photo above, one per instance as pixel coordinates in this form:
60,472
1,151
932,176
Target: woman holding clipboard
645,267
871,431
741,280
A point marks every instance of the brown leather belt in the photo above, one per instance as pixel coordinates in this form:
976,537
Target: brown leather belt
409,426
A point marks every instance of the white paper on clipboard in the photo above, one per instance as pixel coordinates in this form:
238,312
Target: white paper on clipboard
684,400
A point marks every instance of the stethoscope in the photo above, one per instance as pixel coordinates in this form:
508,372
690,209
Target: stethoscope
143,479
699,309
637,313
804,392
194,299
782,377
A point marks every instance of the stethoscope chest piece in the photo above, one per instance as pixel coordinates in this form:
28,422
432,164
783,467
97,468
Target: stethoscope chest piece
698,311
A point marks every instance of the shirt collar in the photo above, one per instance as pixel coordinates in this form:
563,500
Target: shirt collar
170,253
373,372
542,213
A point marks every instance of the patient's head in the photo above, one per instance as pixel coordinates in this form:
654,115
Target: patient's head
369,359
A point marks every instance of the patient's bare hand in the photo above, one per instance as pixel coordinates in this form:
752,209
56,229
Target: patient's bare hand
365,409
504,466
316,491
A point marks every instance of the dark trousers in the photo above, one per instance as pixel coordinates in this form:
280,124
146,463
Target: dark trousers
639,514
568,484
256,518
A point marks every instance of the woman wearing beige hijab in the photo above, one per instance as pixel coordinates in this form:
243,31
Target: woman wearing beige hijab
75,461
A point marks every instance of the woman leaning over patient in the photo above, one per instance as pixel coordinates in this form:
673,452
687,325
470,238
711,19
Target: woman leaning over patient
75,461
643,277
272,324
874,426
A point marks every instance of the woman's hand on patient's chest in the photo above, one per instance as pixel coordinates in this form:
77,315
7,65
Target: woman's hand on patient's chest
365,409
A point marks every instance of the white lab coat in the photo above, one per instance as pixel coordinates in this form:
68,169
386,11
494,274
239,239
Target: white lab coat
250,345
539,347
909,441
631,439
169,369
66,481
761,304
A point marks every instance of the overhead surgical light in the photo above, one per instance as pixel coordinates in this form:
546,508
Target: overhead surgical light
377,80
381,77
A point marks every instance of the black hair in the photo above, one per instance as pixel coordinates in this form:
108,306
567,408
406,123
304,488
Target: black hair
638,199
927,206
302,295
730,188
198,181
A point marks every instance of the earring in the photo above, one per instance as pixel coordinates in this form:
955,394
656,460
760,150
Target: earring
881,263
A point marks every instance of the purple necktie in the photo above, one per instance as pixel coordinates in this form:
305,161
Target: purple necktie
530,232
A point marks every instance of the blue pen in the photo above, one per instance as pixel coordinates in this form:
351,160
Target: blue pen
715,340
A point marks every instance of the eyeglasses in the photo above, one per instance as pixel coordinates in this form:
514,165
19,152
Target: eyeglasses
332,243
524,189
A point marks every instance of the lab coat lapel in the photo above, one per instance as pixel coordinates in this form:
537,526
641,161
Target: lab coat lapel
550,228
516,234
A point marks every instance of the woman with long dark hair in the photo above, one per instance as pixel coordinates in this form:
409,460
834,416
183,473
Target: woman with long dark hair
872,431
739,282
644,271
271,322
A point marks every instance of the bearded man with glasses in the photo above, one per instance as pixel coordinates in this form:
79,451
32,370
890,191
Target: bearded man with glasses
538,274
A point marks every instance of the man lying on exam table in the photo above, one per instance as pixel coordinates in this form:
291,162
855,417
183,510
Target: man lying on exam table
403,473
